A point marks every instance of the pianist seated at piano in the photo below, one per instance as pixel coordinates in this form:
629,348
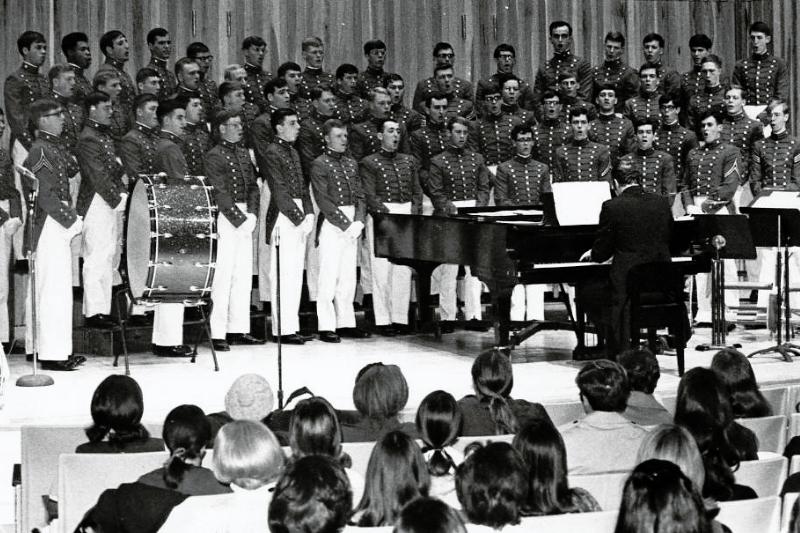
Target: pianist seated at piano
635,228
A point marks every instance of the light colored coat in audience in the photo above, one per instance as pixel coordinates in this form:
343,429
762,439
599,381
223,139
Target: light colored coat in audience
602,441
242,511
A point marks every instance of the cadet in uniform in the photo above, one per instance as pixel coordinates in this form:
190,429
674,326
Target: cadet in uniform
201,55
669,81
458,178
431,139
553,130
62,82
711,97
391,185
693,81
443,56
350,108
148,81
656,168
505,56
101,198
398,112
107,81
115,47
187,72
611,128
644,106
160,46
10,222
291,73
677,141
446,84
582,159
254,48
763,76
563,59
374,75
313,75
490,136
231,173
231,96
510,91
338,192
137,149
196,140
365,137
740,131
568,90
75,47
613,72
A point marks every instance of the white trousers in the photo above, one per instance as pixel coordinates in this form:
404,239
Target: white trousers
527,302
233,279
18,155
168,325
264,249
77,242
766,259
312,257
391,284
53,295
292,255
446,276
101,234
6,244
337,279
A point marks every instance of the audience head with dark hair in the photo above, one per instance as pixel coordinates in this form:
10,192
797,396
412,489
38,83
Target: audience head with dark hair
492,485
186,433
314,430
492,380
117,408
541,448
439,424
380,391
642,369
396,474
733,369
603,385
429,515
312,496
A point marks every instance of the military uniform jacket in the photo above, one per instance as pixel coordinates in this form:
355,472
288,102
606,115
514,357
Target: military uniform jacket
525,92
82,86
23,87
461,88
73,120
407,117
643,107
185,93
527,117
248,114
128,94
692,82
169,157
120,121
677,141
210,96
310,142
459,107
230,171
705,100
364,138
763,77
582,160
257,78
169,83
283,173
491,137
742,132
314,77
657,168
53,166
457,174
392,178
196,142
616,132
427,142
548,135
521,181
335,180
368,79
261,135
713,170
617,74
547,75
101,173
776,163
7,189
137,149
301,105
669,80
350,108
568,103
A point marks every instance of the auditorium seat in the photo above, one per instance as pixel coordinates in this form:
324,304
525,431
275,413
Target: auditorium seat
778,398
600,522
770,430
359,452
786,509
761,515
606,488
564,413
794,464
765,476
794,426
669,401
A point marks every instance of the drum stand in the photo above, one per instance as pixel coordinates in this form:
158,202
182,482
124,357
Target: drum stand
205,301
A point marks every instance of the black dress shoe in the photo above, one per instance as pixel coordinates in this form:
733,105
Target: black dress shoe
29,357
329,336
476,325
79,359
59,366
353,333
140,321
221,345
447,326
243,338
401,329
306,335
180,350
386,330
294,338
99,321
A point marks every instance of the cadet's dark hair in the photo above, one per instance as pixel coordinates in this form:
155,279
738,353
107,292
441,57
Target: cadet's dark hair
196,48
142,99
57,70
504,47
70,41
253,40
108,39
286,67
274,84
650,37
277,117
168,106
615,37
94,98
146,72
392,77
156,32
344,69
316,92
182,62
700,40
436,96
604,384
559,24
520,128
374,44
227,87
438,47
41,107
760,27
28,38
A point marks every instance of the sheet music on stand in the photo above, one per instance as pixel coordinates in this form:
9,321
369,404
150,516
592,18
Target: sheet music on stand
777,200
578,203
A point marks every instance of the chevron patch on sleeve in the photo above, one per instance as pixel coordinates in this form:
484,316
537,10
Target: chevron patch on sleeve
42,163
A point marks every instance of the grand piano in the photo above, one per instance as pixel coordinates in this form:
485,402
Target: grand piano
520,245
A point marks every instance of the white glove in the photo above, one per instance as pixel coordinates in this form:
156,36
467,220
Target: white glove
307,225
123,201
250,224
354,230
11,225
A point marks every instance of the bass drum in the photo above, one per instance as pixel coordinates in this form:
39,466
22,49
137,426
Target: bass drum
170,247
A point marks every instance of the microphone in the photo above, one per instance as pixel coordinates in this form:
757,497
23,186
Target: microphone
718,242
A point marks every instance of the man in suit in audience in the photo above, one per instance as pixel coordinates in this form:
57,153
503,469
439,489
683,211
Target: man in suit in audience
643,372
604,391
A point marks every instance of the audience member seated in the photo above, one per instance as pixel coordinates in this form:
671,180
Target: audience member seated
702,407
117,407
603,440
794,519
186,433
396,474
439,424
541,449
643,372
491,410
248,457
131,507
249,397
659,498
315,430
379,394
733,369
312,496
492,486
429,515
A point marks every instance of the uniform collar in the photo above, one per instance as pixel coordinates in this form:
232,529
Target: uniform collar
522,159
735,118
647,152
551,122
397,108
45,136
510,109
374,71
581,142
190,127
249,67
115,63
169,136
387,155
145,129
190,92
712,90
227,144
494,118
671,127
713,144
345,96
96,125
316,115
454,150
282,142
436,126
30,67
314,71
78,70
61,99
780,136
615,63
563,56
649,96
334,155
159,63
760,57
606,118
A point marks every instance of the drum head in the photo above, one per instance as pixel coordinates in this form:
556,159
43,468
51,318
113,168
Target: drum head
137,240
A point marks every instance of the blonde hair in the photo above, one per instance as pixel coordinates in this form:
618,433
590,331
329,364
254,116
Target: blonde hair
675,444
247,454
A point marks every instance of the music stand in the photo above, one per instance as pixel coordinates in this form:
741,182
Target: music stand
723,237
777,226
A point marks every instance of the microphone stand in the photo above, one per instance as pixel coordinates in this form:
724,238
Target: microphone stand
277,315
35,379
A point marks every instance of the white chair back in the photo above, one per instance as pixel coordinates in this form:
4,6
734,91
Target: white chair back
765,476
606,488
761,514
600,522
359,452
786,514
564,413
770,430
794,426
778,398
794,465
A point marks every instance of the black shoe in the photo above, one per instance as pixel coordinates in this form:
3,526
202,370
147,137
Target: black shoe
386,330
180,350
221,345
21,266
243,338
306,335
329,336
29,357
476,325
140,321
702,324
294,338
79,359
447,326
401,329
353,333
99,321
59,366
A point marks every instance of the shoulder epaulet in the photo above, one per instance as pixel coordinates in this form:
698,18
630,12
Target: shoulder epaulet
42,163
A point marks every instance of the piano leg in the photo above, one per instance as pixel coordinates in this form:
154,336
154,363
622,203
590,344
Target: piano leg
501,303
426,315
